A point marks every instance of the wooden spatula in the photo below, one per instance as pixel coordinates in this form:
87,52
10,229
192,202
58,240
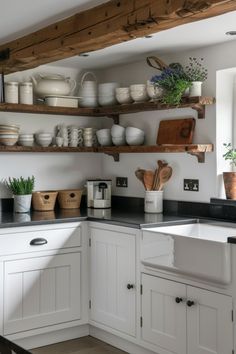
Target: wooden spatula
139,173
160,164
148,179
164,176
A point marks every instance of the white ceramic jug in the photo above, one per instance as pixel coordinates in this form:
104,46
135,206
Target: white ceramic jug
45,85
88,91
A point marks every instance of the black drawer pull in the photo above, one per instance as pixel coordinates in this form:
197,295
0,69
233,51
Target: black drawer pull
38,241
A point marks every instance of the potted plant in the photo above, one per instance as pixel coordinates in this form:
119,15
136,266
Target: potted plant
196,73
174,83
230,177
21,189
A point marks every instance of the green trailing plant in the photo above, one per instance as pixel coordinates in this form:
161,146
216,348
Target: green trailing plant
230,154
174,82
195,71
21,186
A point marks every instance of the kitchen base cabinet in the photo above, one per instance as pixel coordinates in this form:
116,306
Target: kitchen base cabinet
113,278
182,319
44,275
41,291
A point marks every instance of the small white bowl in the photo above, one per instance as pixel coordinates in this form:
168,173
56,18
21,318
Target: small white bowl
26,142
122,90
139,96
103,133
132,131
117,131
105,141
107,100
134,140
118,141
137,87
124,98
153,91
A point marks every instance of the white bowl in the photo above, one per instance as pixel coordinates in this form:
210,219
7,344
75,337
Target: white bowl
137,87
134,140
124,98
105,141
10,136
154,91
122,90
43,135
26,142
117,131
107,100
103,133
8,141
139,96
26,136
118,141
132,131
44,143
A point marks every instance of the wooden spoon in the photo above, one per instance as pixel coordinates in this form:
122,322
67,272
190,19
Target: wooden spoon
161,164
148,179
164,176
139,173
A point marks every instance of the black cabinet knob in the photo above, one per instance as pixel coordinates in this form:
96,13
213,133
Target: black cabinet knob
190,303
178,299
130,286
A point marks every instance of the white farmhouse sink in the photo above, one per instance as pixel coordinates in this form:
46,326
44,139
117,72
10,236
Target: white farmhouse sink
199,250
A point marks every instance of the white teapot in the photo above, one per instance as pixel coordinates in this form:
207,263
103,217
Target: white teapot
53,84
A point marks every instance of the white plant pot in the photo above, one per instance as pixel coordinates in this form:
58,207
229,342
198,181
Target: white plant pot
22,203
195,89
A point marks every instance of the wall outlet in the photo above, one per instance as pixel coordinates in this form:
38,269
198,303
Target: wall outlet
191,185
122,182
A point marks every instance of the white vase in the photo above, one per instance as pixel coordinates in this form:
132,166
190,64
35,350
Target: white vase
22,203
195,89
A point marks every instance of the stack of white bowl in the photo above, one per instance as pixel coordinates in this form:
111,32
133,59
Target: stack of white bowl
26,139
107,93
134,136
9,134
138,92
118,135
43,139
89,137
104,137
123,95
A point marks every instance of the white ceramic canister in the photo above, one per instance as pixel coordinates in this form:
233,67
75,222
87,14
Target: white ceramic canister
11,92
195,89
153,202
26,93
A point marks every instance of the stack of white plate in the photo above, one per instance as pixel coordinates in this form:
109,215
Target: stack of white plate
9,134
26,139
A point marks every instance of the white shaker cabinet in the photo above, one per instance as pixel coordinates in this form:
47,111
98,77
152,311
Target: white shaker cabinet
113,277
41,291
44,277
182,319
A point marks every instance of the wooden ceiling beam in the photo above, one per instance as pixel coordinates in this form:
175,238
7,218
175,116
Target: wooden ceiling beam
110,23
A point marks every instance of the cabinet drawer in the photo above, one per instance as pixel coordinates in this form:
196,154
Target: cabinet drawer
40,239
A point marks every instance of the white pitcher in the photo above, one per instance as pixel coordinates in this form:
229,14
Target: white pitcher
88,91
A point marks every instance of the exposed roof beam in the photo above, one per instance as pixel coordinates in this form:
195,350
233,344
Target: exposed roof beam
110,23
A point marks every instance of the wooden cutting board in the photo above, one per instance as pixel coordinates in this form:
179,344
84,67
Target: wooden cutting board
176,131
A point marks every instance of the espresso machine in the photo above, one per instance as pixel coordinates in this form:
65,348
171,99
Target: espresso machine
99,193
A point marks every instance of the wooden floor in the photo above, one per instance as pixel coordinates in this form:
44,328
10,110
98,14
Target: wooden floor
85,345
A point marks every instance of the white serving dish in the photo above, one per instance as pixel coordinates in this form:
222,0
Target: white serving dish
198,249
62,101
52,84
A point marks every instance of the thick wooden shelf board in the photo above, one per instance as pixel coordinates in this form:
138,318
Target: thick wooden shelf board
197,103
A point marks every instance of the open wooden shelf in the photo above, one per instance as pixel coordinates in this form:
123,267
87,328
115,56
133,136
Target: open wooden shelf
197,150
196,103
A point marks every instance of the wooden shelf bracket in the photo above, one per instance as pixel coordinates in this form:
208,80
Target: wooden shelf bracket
116,156
199,155
115,117
201,110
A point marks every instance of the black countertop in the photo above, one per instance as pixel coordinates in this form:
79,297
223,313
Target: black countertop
134,219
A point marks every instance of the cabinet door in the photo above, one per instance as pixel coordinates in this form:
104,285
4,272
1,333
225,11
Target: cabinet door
112,269
210,327
41,291
164,320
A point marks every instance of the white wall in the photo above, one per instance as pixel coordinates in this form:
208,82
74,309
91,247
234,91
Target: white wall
216,58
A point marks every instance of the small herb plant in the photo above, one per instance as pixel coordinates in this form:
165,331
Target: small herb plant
174,82
230,154
195,71
21,186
